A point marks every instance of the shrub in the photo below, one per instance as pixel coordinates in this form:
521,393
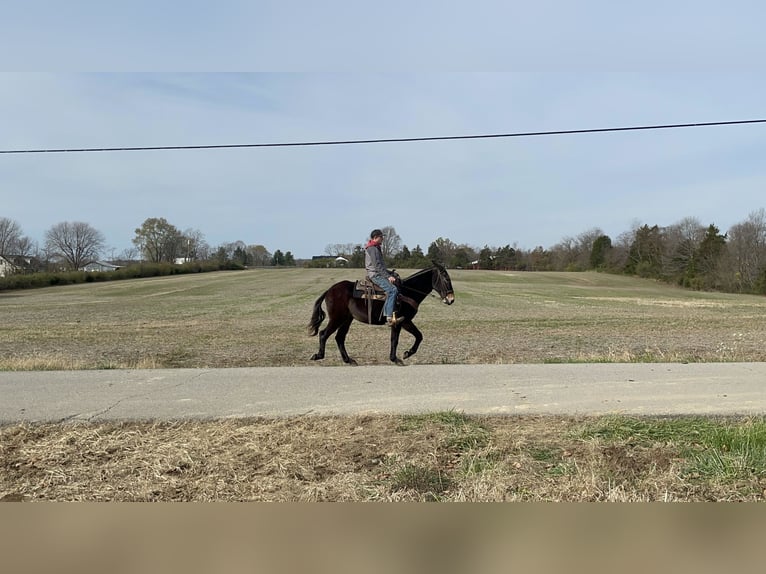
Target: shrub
34,280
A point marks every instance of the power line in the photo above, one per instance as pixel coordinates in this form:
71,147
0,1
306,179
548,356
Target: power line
386,140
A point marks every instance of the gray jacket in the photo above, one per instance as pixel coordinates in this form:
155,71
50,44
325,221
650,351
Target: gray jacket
373,262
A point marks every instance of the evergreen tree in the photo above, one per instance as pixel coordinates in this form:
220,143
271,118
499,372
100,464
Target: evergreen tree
598,252
402,259
709,255
505,258
486,258
645,255
418,260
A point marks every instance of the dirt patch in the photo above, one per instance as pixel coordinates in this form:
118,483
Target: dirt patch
661,302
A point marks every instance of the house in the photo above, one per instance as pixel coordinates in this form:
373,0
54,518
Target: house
329,261
100,266
11,264
7,267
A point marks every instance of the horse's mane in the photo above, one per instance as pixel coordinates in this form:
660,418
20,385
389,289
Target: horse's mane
421,272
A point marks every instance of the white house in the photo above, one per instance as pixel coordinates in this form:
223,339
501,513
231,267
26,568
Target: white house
6,267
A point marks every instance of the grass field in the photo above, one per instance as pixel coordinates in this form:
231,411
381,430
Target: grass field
259,317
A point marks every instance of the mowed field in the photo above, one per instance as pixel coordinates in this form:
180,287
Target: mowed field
259,317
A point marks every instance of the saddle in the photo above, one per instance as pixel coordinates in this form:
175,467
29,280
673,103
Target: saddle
366,289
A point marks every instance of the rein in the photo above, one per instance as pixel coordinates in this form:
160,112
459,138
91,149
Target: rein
426,293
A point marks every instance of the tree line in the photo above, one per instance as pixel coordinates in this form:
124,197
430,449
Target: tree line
687,253
72,245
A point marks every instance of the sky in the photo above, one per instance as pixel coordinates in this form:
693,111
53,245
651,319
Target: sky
229,73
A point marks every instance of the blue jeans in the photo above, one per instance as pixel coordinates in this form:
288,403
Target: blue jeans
391,293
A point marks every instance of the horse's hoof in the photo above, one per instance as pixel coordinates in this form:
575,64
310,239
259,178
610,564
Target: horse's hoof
352,362
407,354
316,357
399,362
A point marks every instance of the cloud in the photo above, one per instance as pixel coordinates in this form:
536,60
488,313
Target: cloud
528,191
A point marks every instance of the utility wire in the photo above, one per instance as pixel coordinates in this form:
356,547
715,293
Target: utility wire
387,140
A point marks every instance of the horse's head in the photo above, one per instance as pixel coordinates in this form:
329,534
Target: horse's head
442,284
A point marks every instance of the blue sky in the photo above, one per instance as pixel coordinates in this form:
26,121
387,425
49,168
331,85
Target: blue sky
554,66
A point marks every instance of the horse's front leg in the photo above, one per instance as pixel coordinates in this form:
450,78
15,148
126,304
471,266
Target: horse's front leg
394,344
415,332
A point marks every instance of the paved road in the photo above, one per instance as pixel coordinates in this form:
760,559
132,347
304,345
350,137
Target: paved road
637,389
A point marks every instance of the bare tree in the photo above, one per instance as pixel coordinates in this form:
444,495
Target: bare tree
259,254
585,242
128,254
565,254
25,247
392,243
618,255
10,236
573,254
747,249
77,243
193,245
681,242
337,249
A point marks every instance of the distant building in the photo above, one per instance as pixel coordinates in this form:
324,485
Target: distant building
6,267
329,260
11,264
100,266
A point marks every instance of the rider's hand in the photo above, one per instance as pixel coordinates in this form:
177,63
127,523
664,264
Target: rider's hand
392,279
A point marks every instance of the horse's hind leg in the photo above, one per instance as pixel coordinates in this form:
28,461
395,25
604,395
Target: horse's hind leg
320,353
324,334
340,338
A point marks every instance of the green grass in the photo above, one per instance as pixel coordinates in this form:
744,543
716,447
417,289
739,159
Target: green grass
712,448
463,432
732,452
426,481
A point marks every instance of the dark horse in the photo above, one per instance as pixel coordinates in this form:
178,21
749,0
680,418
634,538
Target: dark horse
343,308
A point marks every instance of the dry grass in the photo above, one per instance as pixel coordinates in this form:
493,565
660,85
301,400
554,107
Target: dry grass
436,457
258,318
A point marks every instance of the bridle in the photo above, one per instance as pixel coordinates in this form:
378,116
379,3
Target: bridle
442,288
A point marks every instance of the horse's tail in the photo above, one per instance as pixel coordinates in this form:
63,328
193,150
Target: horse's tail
317,316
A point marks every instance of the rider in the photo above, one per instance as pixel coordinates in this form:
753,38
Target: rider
376,270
